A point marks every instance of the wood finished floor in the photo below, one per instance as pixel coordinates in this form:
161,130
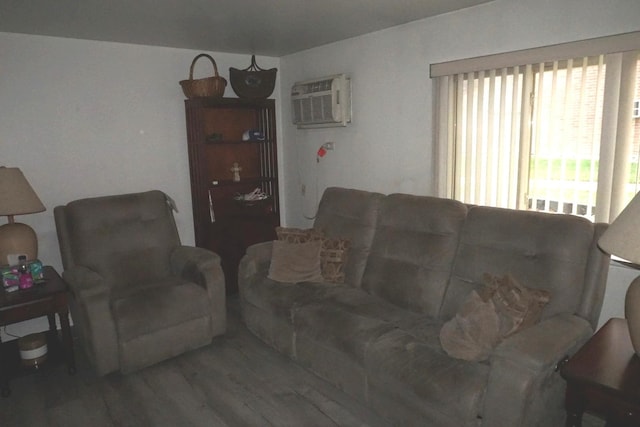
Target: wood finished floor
235,381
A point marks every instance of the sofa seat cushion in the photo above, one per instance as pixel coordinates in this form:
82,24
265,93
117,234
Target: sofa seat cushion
413,364
424,329
280,298
152,309
348,320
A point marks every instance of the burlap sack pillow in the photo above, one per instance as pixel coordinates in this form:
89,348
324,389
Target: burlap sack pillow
473,332
333,258
500,309
297,235
517,306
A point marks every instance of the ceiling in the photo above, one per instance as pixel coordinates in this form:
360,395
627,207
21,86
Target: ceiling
263,27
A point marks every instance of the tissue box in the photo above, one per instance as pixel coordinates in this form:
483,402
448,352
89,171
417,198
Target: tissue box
35,267
11,277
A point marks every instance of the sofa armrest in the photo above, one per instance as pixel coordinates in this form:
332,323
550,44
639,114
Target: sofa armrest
524,386
257,259
91,312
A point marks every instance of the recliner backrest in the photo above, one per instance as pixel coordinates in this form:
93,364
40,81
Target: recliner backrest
127,239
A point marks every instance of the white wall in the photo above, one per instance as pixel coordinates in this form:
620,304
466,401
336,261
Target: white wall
85,118
388,146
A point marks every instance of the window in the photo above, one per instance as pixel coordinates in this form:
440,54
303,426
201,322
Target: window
566,133
551,135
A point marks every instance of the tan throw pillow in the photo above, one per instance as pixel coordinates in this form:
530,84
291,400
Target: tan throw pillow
517,306
295,262
473,332
333,255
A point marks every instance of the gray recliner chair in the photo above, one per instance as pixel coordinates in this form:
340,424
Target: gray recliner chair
138,295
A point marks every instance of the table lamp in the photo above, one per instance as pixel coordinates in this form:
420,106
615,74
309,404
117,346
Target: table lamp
622,239
17,198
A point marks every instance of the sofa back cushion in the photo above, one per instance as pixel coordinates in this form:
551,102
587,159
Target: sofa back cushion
127,239
350,214
413,251
540,250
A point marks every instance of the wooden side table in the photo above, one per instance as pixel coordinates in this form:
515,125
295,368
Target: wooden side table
603,377
46,299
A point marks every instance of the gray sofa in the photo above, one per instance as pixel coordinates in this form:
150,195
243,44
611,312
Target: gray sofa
412,262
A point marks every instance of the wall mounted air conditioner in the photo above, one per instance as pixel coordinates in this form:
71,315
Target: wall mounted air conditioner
322,102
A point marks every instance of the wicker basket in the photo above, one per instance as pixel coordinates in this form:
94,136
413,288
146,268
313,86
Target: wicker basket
207,87
253,82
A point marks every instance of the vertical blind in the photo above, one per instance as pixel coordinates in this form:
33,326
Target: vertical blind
486,122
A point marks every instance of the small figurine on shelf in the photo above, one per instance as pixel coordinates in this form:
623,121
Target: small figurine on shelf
236,171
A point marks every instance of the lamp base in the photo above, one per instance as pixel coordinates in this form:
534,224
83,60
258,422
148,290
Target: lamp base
632,312
17,239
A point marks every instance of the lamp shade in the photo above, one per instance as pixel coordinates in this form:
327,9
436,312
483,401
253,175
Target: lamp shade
16,194
622,238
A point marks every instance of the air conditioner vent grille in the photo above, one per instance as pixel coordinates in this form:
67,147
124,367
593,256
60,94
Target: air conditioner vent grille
322,102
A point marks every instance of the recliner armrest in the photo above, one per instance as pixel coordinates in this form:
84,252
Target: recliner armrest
523,377
198,265
85,283
202,266
91,311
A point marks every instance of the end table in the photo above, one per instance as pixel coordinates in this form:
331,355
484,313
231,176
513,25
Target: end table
46,299
603,377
